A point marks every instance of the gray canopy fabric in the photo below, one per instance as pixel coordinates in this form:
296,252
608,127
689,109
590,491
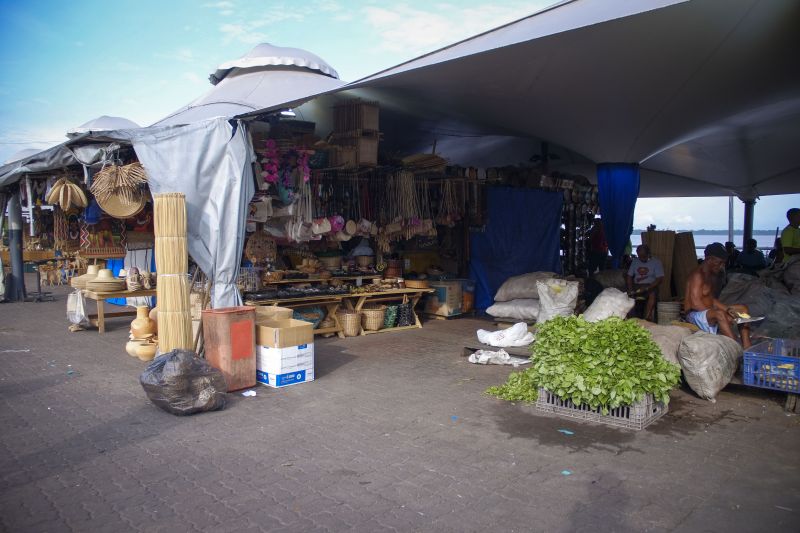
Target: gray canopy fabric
704,94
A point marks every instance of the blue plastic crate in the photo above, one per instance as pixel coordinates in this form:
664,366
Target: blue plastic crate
773,364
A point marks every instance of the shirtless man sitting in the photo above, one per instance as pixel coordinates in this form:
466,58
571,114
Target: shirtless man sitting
705,311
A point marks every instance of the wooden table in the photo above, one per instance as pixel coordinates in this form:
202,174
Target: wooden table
331,303
99,319
414,295
353,302
299,281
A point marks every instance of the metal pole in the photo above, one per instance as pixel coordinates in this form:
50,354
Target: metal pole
730,218
16,288
749,209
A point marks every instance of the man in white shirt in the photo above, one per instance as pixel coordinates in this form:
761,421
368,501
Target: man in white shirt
644,276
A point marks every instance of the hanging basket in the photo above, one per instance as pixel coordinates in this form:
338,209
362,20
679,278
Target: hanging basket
372,318
351,323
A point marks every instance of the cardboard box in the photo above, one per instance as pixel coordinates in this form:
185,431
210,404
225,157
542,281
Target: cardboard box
446,300
279,367
272,312
283,333
283,380
283,360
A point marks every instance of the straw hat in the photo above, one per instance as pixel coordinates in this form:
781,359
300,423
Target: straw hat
79,282
118,207
104,275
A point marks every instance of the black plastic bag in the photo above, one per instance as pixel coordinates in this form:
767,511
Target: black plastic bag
181,383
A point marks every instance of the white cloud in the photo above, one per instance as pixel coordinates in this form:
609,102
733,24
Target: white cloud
219,5
244,33
402,28
226,12
328,5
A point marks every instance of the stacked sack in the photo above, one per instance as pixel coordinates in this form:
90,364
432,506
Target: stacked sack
518,297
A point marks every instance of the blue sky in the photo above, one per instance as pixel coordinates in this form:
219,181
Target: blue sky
65,63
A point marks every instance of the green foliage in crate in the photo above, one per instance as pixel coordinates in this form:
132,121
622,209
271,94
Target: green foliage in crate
604,364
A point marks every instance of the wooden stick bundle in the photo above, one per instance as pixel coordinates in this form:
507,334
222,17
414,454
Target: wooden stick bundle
174,314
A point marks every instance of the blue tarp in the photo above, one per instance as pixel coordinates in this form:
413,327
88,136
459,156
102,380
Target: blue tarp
522,235
618,189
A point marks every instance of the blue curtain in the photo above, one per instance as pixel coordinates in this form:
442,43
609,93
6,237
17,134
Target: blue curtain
618,187
116,265
522,235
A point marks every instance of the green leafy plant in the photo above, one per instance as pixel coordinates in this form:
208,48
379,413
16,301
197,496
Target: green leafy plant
520,387
604,364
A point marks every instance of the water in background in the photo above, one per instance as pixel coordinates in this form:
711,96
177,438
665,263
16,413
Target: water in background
701,240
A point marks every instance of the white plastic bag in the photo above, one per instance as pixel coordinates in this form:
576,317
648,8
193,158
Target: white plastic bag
76,309
557,297
500,357
610,302
516,335
523,286
521,309
668,338
709,362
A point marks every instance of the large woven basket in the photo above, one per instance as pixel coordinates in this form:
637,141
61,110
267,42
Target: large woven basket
351,322
372,318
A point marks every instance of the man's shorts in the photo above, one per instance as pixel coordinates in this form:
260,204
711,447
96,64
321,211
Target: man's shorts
700,319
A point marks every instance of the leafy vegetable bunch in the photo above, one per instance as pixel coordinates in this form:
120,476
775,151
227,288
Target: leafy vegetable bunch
603,364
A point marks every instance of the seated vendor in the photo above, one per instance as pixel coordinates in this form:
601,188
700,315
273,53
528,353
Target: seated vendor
705,311
644,276
751,259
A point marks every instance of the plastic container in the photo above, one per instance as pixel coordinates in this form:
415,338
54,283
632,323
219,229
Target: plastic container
230,339
467,295
636,416
773,364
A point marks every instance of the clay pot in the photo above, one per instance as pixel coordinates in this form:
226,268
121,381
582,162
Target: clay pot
146,351
132,345
142,325
154,317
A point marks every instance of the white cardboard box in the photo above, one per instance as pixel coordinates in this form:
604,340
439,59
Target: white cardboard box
279,367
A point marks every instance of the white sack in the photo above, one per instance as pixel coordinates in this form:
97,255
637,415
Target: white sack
610,302
523,286
557,297
521,309
709,362
668,338
516,335
500,357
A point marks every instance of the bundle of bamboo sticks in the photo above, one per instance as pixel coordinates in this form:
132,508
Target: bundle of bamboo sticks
172,265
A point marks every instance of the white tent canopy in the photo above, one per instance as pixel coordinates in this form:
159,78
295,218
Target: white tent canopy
264,77
103,123
704,94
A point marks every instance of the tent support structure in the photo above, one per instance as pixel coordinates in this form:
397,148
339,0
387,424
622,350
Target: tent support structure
16,288
749,208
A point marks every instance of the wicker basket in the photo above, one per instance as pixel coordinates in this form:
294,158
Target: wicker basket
332,262
271,276
372,318
365,260
351,323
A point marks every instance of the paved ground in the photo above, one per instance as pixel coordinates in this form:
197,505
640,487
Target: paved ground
395,434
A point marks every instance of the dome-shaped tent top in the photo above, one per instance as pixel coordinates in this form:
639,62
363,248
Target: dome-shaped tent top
103,123
266,55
